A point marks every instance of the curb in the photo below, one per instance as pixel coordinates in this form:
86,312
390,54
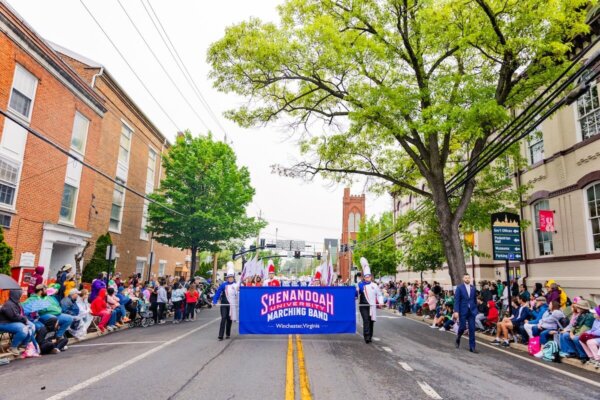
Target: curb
516,346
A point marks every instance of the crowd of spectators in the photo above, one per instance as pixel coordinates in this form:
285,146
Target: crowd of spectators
42,320
546,319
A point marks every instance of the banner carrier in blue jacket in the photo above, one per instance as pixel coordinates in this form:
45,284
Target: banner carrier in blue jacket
297,310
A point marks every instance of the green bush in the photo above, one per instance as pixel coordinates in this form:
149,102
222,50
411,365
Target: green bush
6,255
98,262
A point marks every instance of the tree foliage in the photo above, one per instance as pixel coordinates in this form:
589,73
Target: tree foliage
6,255
210,193
98,263
403,92
383,256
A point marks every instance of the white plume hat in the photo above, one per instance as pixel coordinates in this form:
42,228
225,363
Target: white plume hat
230,271
365,266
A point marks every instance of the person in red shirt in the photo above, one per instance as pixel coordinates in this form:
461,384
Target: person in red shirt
191,298
100,308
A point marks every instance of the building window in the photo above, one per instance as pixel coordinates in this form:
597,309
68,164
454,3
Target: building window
351,222
143,232
5,220
356,222
9,172
124,145
139,267
162,265
116,211
593,200
80,131
535,145
23,92
588,110
150,175
67,206
543,239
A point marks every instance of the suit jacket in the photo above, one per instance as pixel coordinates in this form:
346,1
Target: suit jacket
462,301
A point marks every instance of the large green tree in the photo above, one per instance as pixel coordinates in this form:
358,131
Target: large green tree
209,193
402,91
383,256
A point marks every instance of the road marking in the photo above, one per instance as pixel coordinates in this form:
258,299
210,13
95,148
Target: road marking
304,385
376,339
289,375
126,364
387,349
429,390
114,343
405,366
529,360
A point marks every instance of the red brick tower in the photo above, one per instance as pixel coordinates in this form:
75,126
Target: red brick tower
352,215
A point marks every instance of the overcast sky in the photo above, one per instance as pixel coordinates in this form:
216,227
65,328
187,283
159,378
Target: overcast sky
297,210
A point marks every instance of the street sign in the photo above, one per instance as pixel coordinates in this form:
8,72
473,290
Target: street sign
506,236
111,252
291,245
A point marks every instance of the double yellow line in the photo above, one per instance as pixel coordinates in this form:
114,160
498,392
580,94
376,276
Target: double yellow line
290,384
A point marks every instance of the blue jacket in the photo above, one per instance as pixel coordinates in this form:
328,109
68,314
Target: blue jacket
463,302
522,313
536,315
219,292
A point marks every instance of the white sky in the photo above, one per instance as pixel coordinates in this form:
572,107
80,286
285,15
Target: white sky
297,210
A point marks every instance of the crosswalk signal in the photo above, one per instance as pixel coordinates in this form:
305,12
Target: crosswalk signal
319,256
297,254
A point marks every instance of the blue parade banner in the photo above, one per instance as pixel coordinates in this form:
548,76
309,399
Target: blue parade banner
297,310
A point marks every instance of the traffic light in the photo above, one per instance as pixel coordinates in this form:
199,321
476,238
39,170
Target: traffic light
319,256
297,254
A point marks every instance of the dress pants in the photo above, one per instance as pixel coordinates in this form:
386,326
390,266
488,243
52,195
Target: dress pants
225,321
368,323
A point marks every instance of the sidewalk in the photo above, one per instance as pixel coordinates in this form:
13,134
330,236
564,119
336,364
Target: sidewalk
91,335
515,346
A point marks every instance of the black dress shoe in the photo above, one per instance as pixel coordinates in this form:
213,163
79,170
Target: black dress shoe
220,339
227,337
474,351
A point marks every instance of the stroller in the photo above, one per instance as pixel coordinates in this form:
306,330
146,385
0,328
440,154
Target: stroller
143,317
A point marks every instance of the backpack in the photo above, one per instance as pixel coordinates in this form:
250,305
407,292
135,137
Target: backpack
550,352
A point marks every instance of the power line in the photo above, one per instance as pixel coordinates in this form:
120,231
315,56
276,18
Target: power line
180,64
162,65
129,65
83,162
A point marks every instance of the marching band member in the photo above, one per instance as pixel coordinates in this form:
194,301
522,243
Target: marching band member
317,279
369,296
228,294
271,281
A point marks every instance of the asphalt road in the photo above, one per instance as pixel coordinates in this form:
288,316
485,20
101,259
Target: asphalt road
185,361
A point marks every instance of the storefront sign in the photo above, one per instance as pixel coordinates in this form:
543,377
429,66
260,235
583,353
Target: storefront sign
297,310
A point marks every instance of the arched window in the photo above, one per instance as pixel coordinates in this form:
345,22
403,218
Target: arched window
351,222
543,239
592,194
356,222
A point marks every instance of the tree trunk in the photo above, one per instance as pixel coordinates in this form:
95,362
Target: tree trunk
193,261
449,232
215,265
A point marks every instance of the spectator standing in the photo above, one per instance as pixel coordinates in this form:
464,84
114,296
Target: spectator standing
178,297
486,294
191,298
36,279
161,300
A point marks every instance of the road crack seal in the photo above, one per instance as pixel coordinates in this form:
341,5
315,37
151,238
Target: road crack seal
200,370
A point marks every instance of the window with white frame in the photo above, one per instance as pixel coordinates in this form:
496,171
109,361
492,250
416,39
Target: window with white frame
162,265
151,172
67,206
23,92
9,172
124,145
116,211
139,267
80,131
143,232
535,147
543,239
593,201
588,112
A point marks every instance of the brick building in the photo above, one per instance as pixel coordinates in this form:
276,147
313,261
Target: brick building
353,211
132,148
45,196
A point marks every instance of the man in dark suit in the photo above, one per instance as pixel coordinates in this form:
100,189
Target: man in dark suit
465,309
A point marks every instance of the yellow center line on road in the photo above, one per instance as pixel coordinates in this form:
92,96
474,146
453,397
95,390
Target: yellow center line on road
289,375
304,386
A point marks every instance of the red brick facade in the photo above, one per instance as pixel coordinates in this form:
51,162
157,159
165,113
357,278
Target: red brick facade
353,212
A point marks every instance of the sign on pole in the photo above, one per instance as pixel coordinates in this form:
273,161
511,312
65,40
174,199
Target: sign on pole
506,236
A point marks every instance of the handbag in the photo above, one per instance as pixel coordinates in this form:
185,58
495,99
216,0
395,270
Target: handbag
534,345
